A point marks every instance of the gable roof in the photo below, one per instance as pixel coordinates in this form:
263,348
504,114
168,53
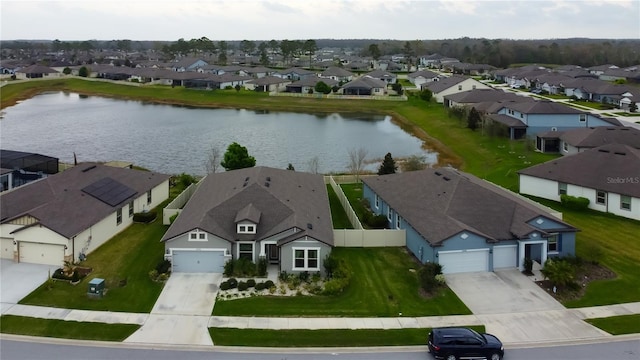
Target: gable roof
37,69
542,107
423,73
336,71
365,81
277,200
439,203
595,169
483,95
60,203
381,74
445,83
597,136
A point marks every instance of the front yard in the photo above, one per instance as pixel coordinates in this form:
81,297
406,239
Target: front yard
383,283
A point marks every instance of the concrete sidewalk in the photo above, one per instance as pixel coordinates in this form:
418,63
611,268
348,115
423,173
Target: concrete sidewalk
512,328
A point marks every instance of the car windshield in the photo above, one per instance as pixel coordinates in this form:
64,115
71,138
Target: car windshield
480,337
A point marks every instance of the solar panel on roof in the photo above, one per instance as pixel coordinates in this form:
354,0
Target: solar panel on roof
109,191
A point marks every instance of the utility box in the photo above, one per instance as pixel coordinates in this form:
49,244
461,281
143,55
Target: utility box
96,288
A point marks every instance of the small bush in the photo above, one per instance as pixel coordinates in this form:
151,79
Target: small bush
145,217
573,202
251,283
335,286
283,276
153,274
228,268
262,266
172,218
163,266
528,266
163,277
233,283
427,276
185,179
260,286
225,285
378,222
269,284
304,276
242,286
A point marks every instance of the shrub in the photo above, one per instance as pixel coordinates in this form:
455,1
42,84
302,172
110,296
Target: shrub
573,202
225,285
378,222
260,286
233,283
186,179
228,268
528,266
262,266
163,266
304,276
427,276
251,283
283,276
172,218
153,274
242,286
145,217
330,264
335,286
269,284
561,272
163,277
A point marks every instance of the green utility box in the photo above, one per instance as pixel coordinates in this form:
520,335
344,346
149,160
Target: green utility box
96,288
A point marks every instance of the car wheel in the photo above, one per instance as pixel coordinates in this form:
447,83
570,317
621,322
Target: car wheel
451,357
495,356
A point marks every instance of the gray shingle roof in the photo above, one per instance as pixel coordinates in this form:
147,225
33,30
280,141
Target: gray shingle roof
284,199
445,83
59,203
594,169
542,107
602,135
482,95
365,81
439,203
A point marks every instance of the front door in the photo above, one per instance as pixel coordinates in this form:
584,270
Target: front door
273,253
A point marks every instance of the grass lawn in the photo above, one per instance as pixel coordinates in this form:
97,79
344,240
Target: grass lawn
382,284
353,192
19,325
129,255
610,240
618,325
338,215
321,338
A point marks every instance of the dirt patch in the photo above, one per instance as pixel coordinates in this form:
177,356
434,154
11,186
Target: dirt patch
587,273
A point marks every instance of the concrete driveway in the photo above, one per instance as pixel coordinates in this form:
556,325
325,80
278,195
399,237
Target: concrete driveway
500,292
17,280
181,313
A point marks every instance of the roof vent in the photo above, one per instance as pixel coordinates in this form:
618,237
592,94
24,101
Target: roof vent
245,184
438,173
310,226
246,179
266,184
446,178
89,168
620,153
268,178
603,150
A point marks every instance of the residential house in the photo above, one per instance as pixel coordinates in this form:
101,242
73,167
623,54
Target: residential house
385,76
36,72
365,85
64,217
608,176
188,64
267,84
254,213
573,141
452,85
421,77
339,74
256,72
531,118
20,168
294,74
467,224
472,97
307,85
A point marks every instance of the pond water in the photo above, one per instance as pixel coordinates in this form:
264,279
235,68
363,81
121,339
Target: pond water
173,139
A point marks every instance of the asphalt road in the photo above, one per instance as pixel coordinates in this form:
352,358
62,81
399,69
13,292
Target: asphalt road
34,349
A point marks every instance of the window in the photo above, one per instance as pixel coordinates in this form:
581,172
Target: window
565,146
625,202
377,199
562,189
389,212
246,229
306,259
583,117
398,221
552,244
245,251
601,197
459,87
131,209
148,197
197,236
473,87
119,216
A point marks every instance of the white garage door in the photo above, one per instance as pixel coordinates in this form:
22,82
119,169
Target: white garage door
38,253
505,256
6,251
464,261
190,261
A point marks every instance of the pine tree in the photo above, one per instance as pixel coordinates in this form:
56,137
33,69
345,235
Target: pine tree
388,165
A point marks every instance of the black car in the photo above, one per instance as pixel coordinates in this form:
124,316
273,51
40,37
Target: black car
463,343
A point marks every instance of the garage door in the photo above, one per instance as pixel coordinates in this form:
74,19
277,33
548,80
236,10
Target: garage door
464,261
505,256
6,251
190,261
38,253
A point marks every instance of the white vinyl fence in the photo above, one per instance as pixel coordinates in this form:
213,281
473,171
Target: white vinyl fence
175,207
353,218
369,238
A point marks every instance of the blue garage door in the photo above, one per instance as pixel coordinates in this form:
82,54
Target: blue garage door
198,261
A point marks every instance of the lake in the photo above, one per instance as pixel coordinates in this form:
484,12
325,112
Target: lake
174,139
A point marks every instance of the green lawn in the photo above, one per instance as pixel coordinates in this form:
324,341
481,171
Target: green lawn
20,325
383,283
353,192
610,240
618,325
338,215
321,338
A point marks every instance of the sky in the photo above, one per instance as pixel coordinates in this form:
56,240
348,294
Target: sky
256,20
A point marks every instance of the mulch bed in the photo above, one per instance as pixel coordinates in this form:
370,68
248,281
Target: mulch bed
587,273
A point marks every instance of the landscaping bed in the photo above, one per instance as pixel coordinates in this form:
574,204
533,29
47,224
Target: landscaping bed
585,274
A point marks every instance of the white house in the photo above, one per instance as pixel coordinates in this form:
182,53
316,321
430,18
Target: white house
609,176
66,216
452,85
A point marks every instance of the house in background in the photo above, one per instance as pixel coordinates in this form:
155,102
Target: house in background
20,168
467,224
422,77
259,212
36,72
307,85
294,74
338,74
188,64
452,85
267,84
365,85
578,140
66,216
385,76
609,176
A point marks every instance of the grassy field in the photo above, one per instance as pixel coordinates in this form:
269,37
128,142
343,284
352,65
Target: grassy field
618,325
322,338
383,283
19,325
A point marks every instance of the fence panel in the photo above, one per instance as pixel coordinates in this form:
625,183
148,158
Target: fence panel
353,218
175,206
369,238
